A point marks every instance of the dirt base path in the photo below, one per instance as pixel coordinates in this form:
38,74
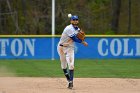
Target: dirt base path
59,85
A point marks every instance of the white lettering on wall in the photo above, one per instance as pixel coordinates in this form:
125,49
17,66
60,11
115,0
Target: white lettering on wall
116,47
4,44
113,47
30,46
19,47
126,45
137,47
100,47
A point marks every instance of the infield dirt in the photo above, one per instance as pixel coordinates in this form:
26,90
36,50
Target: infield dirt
59,85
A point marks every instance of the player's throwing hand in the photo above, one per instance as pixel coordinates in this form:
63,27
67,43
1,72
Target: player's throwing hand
85,43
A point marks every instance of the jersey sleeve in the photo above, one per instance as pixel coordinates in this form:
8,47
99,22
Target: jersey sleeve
75,39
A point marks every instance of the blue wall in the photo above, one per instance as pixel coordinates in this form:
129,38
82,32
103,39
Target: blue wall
41,48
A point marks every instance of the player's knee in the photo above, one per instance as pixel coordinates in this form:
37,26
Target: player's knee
71,66
63,65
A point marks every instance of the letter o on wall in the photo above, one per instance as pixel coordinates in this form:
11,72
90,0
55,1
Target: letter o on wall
115,45
19,47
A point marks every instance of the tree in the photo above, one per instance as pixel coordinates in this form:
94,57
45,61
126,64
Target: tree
116,5
129,20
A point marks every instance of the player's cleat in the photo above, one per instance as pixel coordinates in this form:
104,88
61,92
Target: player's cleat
70,85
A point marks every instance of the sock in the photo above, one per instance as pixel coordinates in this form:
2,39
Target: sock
66,74
71,75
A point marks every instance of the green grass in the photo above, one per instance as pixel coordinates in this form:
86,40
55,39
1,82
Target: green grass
120,68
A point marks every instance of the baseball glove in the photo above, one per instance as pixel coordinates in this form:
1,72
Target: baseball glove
81,35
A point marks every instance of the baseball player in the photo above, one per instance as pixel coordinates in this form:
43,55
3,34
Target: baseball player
66,46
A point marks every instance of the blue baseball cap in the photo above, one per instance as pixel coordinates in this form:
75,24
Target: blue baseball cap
74,17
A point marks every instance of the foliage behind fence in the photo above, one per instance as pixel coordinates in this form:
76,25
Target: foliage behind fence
33,17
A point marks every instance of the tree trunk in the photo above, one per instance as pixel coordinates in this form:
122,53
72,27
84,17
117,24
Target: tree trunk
116,6
129,17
